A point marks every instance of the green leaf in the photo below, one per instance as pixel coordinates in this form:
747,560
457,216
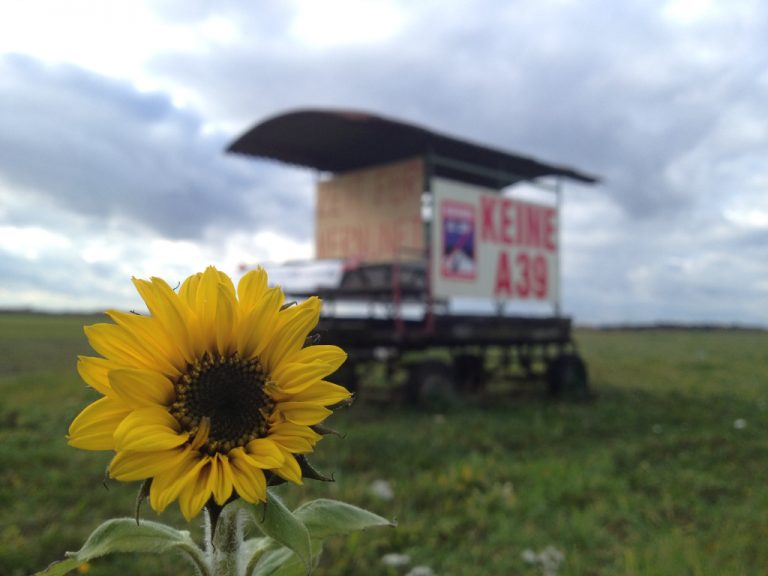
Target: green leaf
284,562
60,568
309,471
123,535
252,551
279,523
325,518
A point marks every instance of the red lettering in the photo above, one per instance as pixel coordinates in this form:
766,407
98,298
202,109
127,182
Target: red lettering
540,276
503,276
524,265
506,221
489,229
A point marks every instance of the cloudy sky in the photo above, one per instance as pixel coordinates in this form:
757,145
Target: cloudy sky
114,117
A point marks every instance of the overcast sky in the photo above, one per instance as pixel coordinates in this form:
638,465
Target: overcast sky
114,117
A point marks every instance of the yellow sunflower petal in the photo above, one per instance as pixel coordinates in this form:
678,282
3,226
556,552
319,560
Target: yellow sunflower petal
94,371
188,290
258,325
130,466
225,321
291,429
221,479
294,444
167,485
303,412
197,492
150,429
94,427
264,454
292,378
247,478
251,288
171,312
153,339
117,344
290,470
139,388
226,283
201,435
292,332
206,306
333,356
322,393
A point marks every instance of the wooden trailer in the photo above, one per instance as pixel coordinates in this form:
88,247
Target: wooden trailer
421,221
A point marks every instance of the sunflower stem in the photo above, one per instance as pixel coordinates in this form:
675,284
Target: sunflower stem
223,535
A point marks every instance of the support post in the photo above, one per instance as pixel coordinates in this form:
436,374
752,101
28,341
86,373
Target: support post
558,258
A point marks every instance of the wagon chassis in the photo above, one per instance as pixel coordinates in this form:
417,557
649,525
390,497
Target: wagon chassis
474,351
444,354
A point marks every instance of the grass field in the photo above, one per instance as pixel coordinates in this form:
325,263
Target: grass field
664,473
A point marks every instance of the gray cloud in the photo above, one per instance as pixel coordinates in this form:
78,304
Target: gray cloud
99,147
615,88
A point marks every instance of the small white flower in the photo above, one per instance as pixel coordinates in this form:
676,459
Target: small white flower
529,556
740,424
420,571
396,560
382,490
550,559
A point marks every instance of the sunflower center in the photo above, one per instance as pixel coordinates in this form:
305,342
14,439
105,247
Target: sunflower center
230,392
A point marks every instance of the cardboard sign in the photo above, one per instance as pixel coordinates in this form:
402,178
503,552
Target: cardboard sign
372,215
490,246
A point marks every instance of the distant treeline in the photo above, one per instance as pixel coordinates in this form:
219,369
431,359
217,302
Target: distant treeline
33,312
620,327
701,327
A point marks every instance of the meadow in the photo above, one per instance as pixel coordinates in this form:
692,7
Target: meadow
664,472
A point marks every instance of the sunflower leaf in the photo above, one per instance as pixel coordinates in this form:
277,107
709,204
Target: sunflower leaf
275,520
324,517
274,479
141,496
284,562
253,549
123,535
309,471
324,431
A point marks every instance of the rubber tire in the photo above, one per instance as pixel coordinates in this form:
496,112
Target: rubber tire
431,383
469,371
567,377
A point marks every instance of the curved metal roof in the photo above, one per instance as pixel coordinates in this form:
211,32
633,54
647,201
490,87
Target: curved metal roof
342,140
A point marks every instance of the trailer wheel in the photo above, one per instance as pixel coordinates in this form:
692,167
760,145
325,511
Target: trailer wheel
469,371
431,383
567,377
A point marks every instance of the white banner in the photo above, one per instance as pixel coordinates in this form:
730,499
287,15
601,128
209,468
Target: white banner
490,246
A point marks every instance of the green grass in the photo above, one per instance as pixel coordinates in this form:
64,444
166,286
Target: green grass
650,478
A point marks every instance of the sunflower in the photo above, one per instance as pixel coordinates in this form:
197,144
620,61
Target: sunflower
211,395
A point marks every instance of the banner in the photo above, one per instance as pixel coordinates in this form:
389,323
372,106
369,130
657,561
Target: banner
372,215
486,245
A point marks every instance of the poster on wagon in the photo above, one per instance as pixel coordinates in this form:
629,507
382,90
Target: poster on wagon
486,245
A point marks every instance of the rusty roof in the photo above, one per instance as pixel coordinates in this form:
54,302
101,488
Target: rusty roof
343,140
